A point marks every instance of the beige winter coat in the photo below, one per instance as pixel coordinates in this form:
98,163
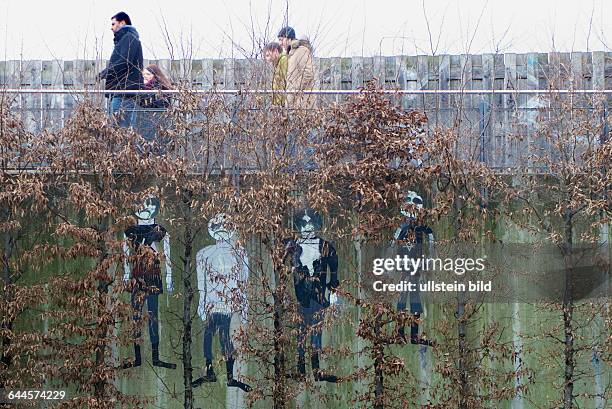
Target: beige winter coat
300,74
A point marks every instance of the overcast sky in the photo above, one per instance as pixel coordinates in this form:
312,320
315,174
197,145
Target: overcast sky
68,29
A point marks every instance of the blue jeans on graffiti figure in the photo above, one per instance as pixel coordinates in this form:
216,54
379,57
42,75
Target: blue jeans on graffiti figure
139,297
152,309
416,308
310,316
218,321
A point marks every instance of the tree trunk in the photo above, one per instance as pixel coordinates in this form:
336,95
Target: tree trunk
379,377
5,358
279,400
360,342
568,309
6,325
568,329
188,293
463,371
100,385
517,401
596,361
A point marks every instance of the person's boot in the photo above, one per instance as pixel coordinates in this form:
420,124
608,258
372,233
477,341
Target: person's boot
419,340
157,361
128,363
318,374
209,377
231,382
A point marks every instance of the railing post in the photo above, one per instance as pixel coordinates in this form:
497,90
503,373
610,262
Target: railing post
483,127
484,108
605,128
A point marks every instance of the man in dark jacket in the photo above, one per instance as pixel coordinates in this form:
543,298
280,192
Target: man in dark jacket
412,236
124,70
310,257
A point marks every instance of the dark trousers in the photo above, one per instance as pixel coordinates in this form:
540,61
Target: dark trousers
416,306
138,299
218,321
124,110
149,123
310,316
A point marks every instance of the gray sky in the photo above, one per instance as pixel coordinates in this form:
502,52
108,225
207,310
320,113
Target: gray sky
68,29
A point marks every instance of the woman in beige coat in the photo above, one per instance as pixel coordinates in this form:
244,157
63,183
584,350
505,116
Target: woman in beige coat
300,69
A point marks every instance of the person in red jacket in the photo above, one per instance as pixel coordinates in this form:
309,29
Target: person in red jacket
153,107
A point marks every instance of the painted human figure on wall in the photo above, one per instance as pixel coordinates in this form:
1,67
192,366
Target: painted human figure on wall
222,270
311,258
411,237
142,272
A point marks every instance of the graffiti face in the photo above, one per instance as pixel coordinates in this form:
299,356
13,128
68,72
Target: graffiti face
218,230
412,205
307,222
149,209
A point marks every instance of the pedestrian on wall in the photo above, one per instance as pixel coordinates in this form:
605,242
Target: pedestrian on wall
151,116
124,70
155,80
274,55
300,69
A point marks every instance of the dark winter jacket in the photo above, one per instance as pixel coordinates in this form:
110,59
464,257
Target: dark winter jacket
155,100
311,285
413,237
124,70
412,232
146,264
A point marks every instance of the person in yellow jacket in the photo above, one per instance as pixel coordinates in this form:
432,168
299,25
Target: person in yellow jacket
274,55
300,69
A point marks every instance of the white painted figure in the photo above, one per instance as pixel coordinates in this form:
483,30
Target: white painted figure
223,271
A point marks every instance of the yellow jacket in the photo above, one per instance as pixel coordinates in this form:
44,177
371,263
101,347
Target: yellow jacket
279,80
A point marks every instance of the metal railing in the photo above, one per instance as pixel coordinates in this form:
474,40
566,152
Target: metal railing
317,91
487,119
